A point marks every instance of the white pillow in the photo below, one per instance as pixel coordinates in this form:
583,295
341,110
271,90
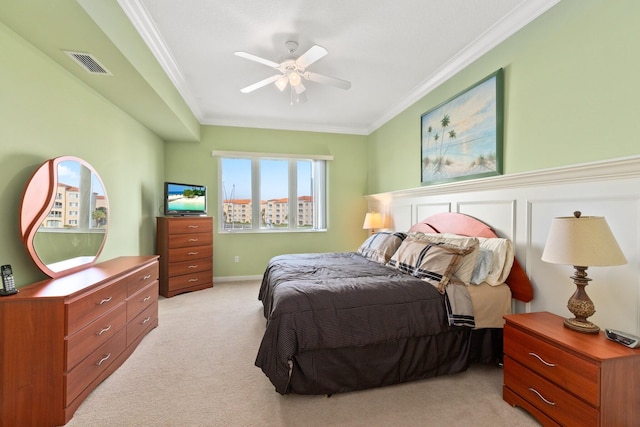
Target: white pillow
501,260
483,266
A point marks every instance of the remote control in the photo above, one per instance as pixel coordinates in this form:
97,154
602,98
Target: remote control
623,338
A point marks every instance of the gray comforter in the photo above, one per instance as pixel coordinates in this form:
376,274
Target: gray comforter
340,301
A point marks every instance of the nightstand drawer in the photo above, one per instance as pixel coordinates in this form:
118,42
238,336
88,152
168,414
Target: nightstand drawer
573,373
547,397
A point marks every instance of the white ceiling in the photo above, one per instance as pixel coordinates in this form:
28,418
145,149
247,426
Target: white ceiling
393,52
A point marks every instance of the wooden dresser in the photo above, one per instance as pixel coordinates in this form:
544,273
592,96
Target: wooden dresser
567,378
62,337
185,245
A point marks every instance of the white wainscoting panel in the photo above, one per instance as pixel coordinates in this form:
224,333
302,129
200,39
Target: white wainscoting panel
424,210
521,207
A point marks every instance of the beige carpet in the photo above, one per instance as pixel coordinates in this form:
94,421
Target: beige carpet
196,369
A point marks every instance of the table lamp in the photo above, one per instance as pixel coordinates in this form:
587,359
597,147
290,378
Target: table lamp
582,241
372,220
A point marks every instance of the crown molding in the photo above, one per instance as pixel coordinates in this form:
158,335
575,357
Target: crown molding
505,28
282,125
526,12
139,17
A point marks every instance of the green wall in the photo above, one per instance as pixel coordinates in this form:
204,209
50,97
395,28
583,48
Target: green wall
46,112
186,162
570,88
571,92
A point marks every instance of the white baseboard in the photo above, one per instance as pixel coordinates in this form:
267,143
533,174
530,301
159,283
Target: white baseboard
226,279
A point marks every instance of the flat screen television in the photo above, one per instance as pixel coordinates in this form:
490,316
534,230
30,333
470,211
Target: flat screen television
184,199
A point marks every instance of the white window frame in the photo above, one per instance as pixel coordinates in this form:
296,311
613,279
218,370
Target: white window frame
320,188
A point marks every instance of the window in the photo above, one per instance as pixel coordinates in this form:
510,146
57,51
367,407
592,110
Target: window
267,192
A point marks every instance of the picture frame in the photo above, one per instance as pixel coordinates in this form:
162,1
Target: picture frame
462,138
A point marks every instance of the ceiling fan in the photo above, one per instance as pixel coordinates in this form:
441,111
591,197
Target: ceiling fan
293,71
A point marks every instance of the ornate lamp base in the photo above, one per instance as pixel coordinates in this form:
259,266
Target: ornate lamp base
580,305
581,326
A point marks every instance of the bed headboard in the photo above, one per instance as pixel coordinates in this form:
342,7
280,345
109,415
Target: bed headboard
452,222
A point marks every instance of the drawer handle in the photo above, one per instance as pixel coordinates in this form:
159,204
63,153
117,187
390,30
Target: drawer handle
148,276
192,226
103,330
193,240
104,359
146,320
193,253
551,365
193,266
147,298
105,300
193,280
548,402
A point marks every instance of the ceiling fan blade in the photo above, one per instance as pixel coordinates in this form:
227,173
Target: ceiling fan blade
257,59
312,55
261,83
332,81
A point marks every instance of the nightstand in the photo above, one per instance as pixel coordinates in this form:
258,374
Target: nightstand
567,378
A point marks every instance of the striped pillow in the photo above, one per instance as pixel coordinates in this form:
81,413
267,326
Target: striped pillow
432,262
464,269
381,246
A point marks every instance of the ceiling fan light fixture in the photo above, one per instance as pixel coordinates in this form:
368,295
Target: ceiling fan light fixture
292,70
299,88
282,82
294,78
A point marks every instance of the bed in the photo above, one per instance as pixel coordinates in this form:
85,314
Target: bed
403,307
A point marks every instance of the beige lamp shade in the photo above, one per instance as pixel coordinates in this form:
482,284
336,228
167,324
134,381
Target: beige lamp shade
582,241
372,220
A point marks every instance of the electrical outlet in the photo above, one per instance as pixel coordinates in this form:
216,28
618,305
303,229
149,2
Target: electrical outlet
236,259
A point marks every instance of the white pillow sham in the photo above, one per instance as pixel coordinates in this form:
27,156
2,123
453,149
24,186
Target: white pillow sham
501,259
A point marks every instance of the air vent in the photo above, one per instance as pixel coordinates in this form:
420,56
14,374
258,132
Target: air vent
88,62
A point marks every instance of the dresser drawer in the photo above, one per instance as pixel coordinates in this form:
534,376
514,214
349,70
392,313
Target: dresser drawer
188,280
97,362
577,375
83,310
142,323
87,339
187,240
189,267
547,397
141,278
141,300
190,225
185,254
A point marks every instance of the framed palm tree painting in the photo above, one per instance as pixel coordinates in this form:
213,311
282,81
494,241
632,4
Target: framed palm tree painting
462,137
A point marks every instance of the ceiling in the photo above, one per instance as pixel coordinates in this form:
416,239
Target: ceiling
393,52
173,66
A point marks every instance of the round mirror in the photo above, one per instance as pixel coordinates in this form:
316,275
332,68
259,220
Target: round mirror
64,216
